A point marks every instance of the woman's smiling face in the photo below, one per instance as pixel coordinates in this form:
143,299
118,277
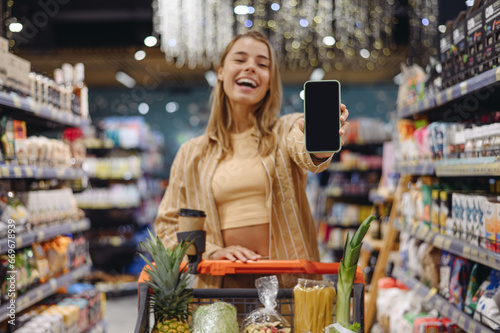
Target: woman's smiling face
245,72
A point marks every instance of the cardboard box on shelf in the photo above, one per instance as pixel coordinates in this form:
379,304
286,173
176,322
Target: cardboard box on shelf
475,38
459,48
445,55
491,31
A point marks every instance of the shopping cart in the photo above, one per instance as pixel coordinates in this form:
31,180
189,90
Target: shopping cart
247,299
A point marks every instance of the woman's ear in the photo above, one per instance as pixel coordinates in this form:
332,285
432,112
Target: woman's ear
219,73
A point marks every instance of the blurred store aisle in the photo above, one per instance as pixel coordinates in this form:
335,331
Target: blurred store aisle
121,314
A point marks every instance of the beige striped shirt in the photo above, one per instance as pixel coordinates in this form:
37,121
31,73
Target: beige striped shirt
292,228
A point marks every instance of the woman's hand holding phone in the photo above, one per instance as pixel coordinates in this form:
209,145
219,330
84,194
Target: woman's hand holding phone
344,125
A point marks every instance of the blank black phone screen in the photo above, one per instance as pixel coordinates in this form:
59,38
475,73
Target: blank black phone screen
322,116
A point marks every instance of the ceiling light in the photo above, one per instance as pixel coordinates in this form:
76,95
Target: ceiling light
139,55
15,27
317,74
365,53
302,95
150,41
442,28
329,40
241,10
125,79
275,6
143,108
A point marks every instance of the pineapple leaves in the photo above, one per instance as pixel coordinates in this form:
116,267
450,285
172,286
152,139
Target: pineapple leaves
170,298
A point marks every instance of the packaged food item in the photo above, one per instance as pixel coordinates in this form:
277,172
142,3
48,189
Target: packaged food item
314,303
458,282
487,310
478,274
7,139
266,319
219,317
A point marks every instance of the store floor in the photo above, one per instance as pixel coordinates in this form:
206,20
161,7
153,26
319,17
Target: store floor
121,314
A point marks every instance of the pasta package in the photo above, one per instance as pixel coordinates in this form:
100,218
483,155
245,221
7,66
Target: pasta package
266,319
314,305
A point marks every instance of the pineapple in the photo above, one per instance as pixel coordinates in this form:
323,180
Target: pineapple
170,298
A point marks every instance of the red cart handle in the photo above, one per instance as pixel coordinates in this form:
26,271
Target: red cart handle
300,266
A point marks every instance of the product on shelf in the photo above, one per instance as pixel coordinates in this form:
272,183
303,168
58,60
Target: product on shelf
475,38
48,206
492,29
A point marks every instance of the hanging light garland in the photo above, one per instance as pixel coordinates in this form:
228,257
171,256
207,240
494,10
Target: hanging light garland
332,34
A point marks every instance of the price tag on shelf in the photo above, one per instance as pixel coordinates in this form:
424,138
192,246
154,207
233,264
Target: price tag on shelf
40,236
39,295
19,241
53,284
461,321
16,100
474,254
492,262
446,309
18,173
482,258
466,251
439,98
454,316
497,74
429,236
431,293
449,94
472,326
28,171
4,171
463,88
438,241
447,244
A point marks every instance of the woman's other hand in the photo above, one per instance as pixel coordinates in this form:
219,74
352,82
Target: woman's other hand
235,252
344,114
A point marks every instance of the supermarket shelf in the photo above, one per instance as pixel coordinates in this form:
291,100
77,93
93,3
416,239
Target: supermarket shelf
417,168
42,234
100,327
482,81
29,171
484,166
452,245
442,305
29,106
45,290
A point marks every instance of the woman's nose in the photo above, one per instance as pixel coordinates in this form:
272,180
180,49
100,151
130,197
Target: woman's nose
250,66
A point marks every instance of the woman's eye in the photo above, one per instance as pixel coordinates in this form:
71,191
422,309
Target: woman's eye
264,65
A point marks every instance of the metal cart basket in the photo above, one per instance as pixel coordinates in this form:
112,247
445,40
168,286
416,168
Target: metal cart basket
247,299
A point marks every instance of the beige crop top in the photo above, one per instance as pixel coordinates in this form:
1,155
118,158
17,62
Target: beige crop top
239,185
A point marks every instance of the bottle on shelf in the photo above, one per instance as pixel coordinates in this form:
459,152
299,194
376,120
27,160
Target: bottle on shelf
81,91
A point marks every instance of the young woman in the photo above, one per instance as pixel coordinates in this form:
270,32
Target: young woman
248,172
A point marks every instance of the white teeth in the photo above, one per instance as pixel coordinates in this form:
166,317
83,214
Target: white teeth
248,81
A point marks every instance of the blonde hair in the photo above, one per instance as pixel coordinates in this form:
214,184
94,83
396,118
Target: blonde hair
263,117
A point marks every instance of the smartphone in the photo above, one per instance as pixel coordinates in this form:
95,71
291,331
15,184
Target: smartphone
322,116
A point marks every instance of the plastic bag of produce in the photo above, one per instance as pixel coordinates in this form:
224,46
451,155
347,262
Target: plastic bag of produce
219,317
266,319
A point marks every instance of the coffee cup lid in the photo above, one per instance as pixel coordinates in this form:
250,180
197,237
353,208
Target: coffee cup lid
191,212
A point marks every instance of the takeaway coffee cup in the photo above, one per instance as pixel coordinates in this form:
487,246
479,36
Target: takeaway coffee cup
191,219
191,223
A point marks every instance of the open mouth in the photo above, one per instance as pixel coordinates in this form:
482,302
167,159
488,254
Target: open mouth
246,83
